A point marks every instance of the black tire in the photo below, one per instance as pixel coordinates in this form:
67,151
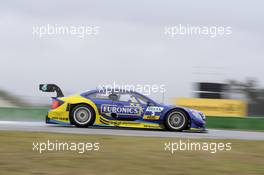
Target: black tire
82,116
176,120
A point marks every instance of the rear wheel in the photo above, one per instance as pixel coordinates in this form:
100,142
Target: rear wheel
176,120
82,116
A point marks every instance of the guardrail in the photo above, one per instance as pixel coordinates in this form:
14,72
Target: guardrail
23,114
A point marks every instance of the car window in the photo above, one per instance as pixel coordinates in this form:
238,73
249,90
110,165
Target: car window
127,98
142,99
99,96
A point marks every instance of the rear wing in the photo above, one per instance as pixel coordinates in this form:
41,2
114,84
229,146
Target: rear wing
51,88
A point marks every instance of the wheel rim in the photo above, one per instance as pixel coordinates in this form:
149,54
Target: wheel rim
176,120
82,115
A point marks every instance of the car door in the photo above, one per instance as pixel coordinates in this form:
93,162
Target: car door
150,110
126,107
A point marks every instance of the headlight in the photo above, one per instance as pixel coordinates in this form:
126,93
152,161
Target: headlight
203,116
198,114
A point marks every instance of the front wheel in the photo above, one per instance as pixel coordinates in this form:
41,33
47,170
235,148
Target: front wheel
82,116
176,120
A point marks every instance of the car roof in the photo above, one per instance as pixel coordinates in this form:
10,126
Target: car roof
117,90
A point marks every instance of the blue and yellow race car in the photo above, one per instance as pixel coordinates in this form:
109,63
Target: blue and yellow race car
119,108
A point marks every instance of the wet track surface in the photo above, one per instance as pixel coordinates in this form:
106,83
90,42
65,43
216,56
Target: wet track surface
211,134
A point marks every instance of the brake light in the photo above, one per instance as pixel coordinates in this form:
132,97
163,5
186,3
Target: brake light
56,103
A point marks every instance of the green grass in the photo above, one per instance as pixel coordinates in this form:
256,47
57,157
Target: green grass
240,123
125,155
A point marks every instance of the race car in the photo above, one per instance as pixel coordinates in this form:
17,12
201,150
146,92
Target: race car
119,108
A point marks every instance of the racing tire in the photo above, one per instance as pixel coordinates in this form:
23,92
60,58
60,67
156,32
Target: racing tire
82,116
176,120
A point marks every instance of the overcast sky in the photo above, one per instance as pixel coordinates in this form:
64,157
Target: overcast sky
131,47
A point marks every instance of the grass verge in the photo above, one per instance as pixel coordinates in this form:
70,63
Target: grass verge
256,124
125,155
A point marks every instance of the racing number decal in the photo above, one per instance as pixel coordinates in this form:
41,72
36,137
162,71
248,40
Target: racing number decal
154,109
151,113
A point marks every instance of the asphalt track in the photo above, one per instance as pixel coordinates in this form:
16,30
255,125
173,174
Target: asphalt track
211,134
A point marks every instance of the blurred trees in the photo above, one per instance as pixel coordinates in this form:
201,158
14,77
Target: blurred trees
249,88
